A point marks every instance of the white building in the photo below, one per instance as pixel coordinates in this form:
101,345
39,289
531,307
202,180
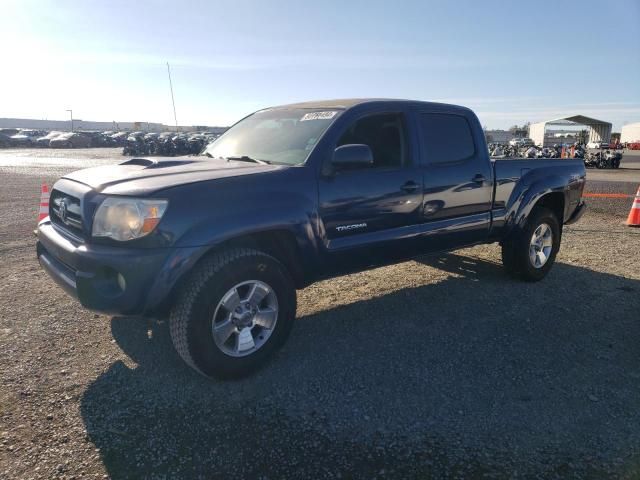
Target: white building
630,133
599,131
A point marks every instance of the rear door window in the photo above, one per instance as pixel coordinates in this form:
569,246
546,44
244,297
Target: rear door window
447,138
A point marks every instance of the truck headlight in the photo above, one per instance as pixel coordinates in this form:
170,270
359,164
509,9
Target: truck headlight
127,218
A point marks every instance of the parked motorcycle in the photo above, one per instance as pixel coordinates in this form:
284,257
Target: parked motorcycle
603,159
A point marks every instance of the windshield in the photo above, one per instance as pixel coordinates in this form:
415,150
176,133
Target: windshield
275,136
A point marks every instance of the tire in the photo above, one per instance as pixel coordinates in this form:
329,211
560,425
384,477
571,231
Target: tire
201,303
516,251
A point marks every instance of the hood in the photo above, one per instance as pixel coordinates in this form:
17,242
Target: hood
140,176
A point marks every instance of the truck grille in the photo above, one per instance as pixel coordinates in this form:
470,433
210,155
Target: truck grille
66,212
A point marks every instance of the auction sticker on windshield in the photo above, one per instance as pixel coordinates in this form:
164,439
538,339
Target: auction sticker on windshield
318,116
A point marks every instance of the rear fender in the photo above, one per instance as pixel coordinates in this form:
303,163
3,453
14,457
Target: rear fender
531,188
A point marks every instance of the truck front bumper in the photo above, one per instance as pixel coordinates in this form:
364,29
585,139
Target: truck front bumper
114,280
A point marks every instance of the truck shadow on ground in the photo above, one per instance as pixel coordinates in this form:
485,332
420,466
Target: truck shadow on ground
474,374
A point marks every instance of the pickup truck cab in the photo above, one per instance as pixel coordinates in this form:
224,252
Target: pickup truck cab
287,196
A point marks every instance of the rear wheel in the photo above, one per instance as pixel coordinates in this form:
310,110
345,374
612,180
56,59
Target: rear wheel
233,313
530,252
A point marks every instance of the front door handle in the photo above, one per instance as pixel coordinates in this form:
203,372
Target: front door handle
410,186
478,178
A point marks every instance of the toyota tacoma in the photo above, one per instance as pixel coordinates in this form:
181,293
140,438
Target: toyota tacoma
287,196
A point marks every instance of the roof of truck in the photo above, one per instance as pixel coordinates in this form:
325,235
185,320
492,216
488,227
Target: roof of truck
351,102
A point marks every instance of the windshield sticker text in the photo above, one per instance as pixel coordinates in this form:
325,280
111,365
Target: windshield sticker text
318,116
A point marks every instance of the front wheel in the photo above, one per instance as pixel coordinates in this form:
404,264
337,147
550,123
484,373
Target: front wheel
531,251
236,309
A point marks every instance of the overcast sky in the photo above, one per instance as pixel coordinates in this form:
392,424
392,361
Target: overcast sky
510,61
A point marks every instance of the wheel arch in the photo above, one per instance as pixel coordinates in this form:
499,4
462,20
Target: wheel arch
280,244
554,201
551,196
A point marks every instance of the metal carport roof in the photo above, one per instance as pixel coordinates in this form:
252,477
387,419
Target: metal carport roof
599,130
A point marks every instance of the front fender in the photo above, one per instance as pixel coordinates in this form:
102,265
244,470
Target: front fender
178,263
256,214
204,215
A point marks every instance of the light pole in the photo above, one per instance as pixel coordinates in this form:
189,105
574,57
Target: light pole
175,117
71,114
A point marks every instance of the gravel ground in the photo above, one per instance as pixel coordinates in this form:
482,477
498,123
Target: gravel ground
440,367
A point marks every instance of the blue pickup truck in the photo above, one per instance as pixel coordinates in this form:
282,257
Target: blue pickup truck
287,196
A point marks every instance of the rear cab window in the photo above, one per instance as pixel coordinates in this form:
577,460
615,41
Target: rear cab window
446,138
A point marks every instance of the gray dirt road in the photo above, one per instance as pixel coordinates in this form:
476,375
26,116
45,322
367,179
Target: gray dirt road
440,367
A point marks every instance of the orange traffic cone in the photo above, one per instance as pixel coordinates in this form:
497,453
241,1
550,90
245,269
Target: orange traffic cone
44,202
634,215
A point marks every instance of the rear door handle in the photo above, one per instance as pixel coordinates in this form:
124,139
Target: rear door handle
478,178
410,186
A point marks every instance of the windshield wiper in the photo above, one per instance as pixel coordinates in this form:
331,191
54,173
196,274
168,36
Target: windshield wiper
247,158
207,154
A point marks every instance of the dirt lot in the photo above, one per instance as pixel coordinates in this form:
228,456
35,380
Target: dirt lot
439,367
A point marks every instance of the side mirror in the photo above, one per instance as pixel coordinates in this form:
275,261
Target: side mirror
355,155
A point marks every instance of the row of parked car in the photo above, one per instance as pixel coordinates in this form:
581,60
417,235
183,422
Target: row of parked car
133,143
11,138
167,144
